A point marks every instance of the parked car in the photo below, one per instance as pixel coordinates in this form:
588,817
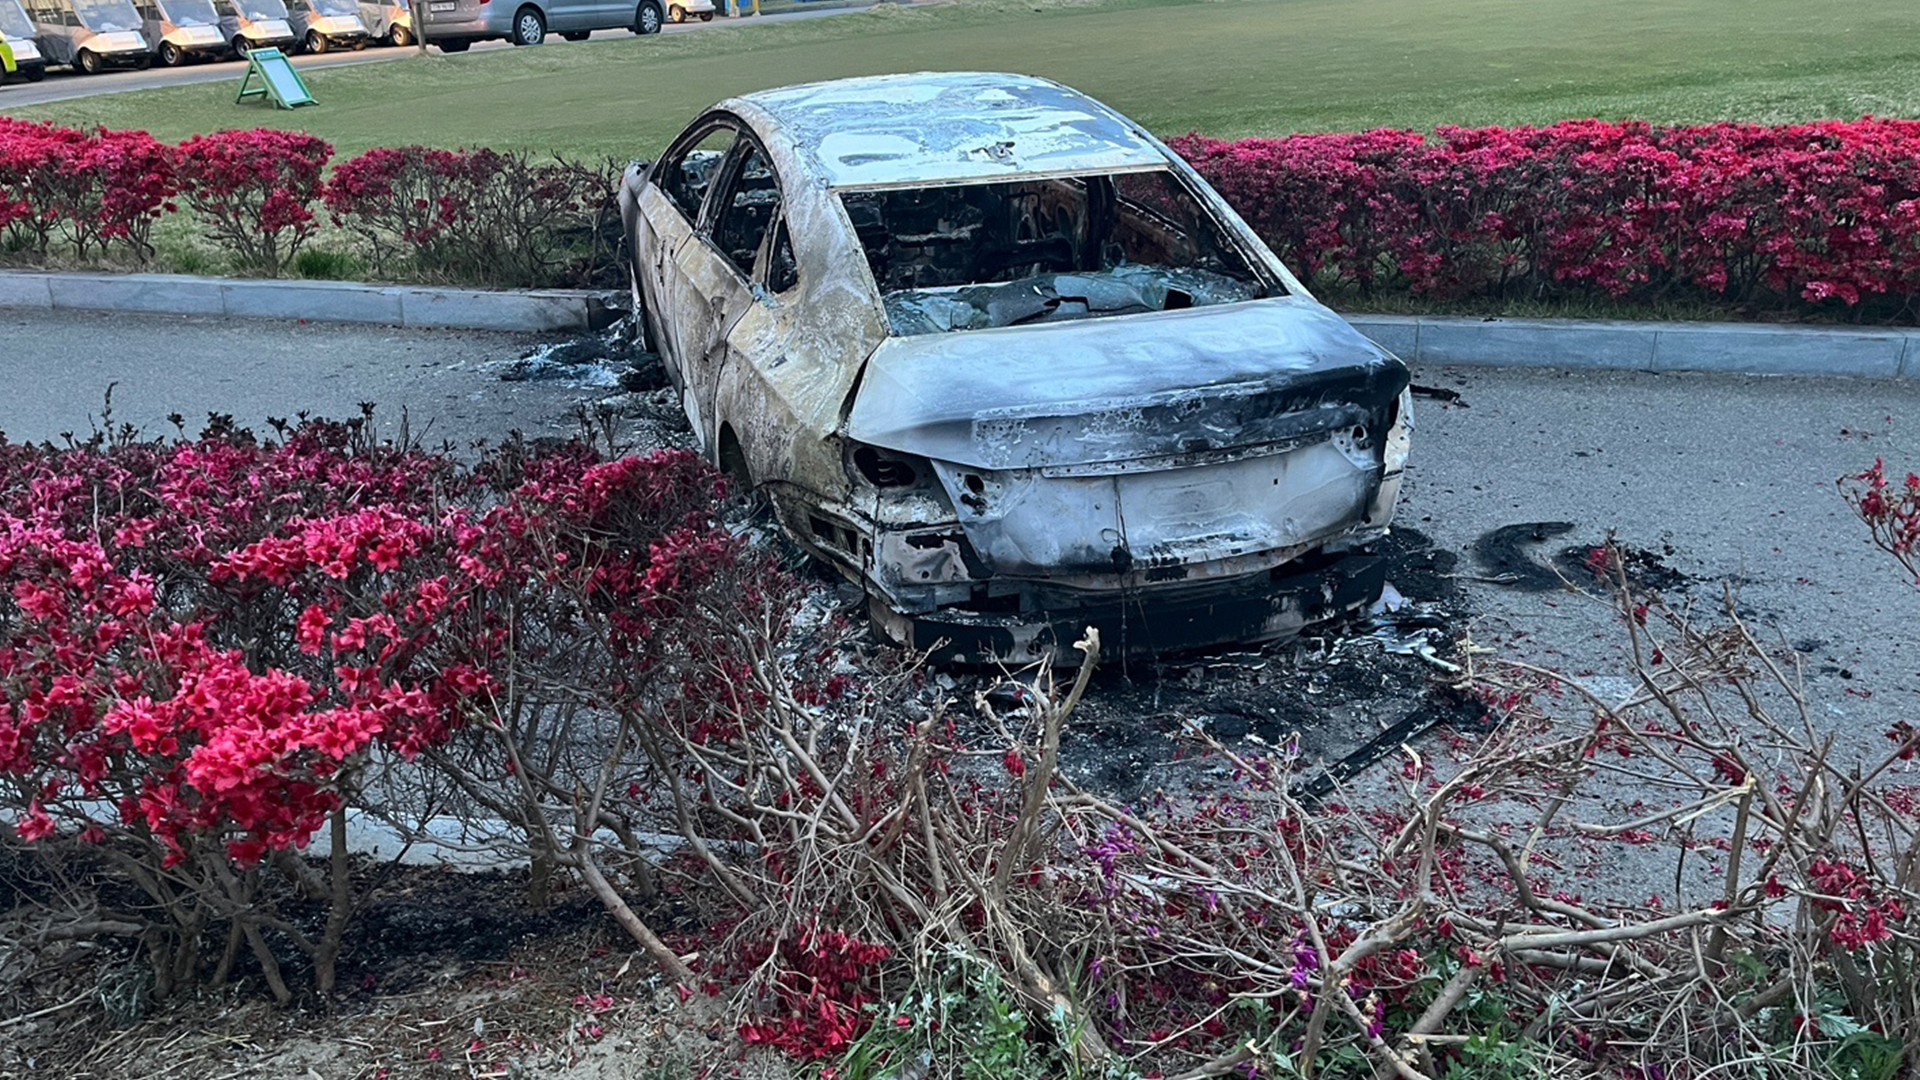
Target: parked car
997,355
389,21
322,25
16,31
253,24
181,30
92,35
456,24
678,11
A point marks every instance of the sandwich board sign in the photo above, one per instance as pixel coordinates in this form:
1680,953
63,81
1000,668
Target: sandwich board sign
279,83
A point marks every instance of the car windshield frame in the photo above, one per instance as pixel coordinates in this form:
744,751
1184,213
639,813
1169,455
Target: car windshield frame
1237,260
14,22
334,9
261,10
107,16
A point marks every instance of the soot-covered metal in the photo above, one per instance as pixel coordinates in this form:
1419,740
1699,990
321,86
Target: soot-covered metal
1019,387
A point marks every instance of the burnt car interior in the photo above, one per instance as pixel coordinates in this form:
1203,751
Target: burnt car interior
974,256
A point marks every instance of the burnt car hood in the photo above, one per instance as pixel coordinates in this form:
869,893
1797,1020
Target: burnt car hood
1185,383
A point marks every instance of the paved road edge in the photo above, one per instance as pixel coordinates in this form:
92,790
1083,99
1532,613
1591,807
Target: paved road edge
1589,345
421,306
1577,344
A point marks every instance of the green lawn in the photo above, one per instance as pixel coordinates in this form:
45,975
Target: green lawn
1224,67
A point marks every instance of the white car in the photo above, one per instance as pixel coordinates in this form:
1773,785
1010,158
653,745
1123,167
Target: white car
1003,359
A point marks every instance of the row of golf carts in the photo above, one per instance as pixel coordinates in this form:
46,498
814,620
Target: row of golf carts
94,35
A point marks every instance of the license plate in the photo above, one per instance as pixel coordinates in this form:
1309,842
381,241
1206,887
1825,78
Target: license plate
442,5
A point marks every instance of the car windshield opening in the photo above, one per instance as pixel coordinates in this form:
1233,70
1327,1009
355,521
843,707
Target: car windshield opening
263,10
14,22
107,16
192,12
337,7
1009,253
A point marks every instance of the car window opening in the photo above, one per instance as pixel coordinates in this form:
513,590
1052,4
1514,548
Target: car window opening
743,219
975,256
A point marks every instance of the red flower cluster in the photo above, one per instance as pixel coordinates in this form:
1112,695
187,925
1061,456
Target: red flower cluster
1743,212
825,980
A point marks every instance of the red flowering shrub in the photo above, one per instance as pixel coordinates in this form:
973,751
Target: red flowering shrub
96,190
253,191
211,648
1802,213
476,216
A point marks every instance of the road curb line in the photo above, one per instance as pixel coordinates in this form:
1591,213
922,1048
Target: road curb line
1613,345
1569,344
411,306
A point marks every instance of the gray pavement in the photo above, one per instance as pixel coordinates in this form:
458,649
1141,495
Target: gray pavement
63,83
57,366
1734,474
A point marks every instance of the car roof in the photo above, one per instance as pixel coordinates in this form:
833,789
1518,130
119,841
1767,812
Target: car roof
949,127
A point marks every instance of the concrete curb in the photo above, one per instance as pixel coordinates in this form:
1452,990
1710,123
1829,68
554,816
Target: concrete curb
413,306
1576,344
1589,345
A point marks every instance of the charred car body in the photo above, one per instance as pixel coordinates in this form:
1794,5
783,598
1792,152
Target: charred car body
1004,360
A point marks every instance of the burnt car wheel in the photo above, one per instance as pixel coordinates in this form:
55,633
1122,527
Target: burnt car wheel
317,42
528,27
241,46
647,18
172,55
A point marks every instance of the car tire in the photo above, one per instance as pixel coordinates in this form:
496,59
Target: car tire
87,63
398,36
240,47
676,14
172,55
648,17
454,46
317,42
706,16
529,28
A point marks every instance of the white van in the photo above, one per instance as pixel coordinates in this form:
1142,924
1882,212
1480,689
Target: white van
181,30
92,35
254,24
320,25
17,30
389,21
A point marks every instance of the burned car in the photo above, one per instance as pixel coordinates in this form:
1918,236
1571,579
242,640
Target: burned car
1004,360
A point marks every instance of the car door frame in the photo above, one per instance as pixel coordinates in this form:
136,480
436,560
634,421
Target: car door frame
730,292
670,226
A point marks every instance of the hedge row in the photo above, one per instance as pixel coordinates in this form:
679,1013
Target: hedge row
1797,216
467,216
1824,214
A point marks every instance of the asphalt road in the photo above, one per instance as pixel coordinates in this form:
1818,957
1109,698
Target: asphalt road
1721,477
63,83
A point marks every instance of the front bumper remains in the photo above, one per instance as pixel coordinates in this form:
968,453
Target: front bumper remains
1163,620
